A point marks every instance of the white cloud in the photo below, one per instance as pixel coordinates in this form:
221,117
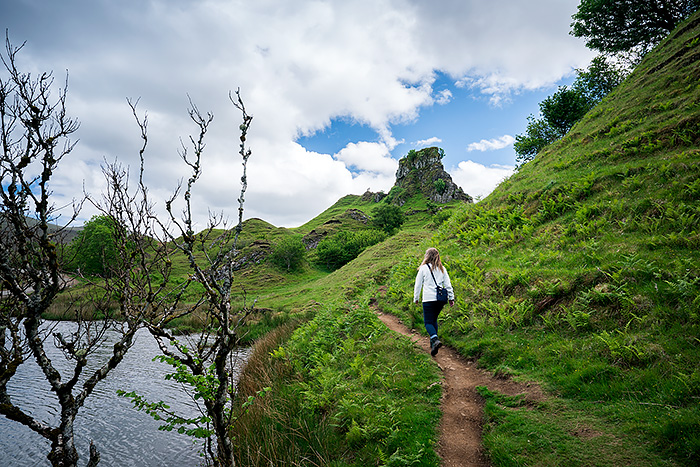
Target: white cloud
491,144
368,157
424,143
444,97
499,46
498,89
299,65
479,180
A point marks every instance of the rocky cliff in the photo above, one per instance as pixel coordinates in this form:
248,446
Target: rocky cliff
422,172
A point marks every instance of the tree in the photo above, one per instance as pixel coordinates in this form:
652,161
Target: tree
388,217
538,135
93,248
289,252
35,138
564,108
560,111
628,27
204,361
599,79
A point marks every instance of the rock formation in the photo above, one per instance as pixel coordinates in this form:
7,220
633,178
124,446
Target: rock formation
422,172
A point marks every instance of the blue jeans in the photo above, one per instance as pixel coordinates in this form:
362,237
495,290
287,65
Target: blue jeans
431,310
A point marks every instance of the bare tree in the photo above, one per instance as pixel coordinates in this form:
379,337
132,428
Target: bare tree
35,132
211,356
136,292
146,244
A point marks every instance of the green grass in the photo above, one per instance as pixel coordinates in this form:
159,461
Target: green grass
559,433
337,211
346,391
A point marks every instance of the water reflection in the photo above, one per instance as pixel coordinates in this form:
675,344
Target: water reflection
124,436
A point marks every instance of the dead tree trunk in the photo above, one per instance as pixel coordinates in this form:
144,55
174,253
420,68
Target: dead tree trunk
215,275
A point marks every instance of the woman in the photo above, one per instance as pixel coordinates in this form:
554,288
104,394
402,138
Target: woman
432,273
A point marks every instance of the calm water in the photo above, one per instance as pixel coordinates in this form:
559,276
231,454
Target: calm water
123,435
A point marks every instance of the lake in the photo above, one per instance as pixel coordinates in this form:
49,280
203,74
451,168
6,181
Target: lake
122,435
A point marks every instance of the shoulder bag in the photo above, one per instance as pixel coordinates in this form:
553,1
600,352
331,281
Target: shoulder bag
441,291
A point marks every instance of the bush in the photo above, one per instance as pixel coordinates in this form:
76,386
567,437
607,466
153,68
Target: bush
289,253
336,251
388,217
440,185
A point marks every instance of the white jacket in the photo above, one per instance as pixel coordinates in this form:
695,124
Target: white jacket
425,281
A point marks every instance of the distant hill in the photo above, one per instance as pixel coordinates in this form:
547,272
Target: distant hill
66,234
60,233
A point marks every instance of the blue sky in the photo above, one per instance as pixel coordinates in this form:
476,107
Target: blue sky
339,90
469,126
467,118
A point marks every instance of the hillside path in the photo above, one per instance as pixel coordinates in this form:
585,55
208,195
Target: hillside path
462,407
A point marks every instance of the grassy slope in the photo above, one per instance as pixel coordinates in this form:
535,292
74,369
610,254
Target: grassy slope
345,391
277,289
582,271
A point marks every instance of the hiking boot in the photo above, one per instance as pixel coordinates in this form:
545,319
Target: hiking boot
435,344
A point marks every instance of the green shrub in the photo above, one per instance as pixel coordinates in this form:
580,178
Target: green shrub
289,253
440,185
340,249
388,217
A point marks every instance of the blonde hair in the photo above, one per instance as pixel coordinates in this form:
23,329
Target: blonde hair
432,257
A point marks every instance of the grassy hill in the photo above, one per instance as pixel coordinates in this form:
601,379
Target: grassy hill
278,289
581,273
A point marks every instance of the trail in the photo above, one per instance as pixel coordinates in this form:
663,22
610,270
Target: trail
462,406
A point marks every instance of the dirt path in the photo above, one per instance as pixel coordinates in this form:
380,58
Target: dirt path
462,406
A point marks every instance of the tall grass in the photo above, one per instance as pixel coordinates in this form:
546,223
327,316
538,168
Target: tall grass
345,392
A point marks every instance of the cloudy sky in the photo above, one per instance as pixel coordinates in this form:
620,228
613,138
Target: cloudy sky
339,90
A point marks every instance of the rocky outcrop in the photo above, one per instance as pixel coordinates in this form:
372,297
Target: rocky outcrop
313,238
372,196
422,172
255,253
349,217
358,215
